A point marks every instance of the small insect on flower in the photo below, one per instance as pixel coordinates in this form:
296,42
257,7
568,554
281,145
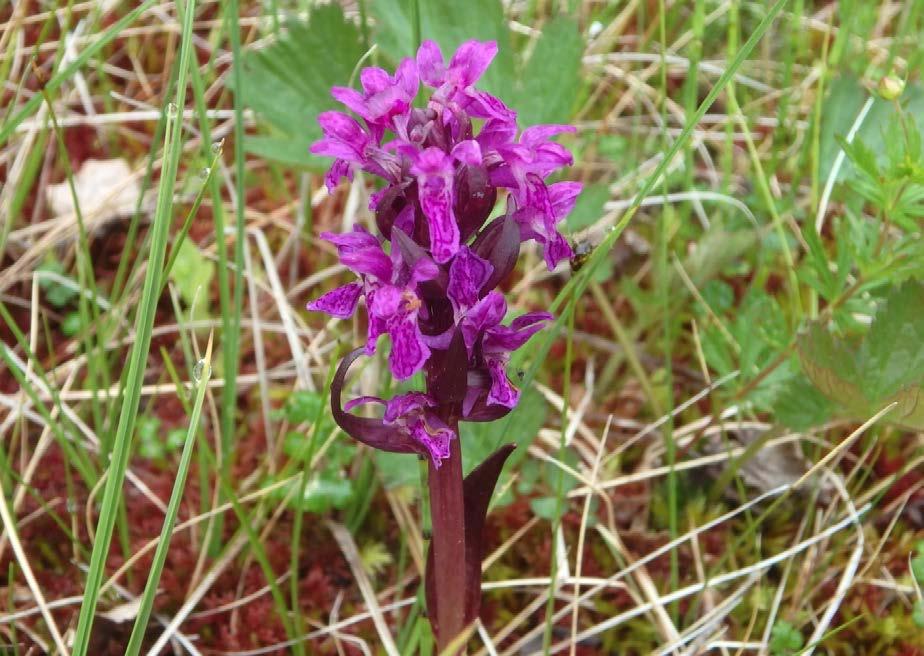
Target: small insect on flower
581,249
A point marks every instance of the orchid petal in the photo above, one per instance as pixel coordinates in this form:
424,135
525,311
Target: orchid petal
467,152
430,64
340,302
471,60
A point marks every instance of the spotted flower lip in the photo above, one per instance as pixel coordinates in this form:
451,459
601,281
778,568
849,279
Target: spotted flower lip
430,280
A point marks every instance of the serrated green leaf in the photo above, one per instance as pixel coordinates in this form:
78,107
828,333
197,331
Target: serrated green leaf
375,557
550,80
288,83
861,155
832,367
800,405
892,355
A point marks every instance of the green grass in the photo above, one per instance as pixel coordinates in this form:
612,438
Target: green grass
736,353
115,474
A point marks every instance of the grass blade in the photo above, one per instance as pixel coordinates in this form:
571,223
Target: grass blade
173,508
139,353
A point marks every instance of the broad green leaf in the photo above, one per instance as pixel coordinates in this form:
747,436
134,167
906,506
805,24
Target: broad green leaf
288,83
449,23
917,566
302,406
150,444
892,354
718,295
550,80
910,409
72,324
545,507
589,207
800,405
886,366
917,614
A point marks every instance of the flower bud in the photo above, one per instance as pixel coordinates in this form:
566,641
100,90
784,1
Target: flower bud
891,87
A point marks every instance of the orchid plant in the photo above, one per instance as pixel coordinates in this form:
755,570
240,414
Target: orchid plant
430,278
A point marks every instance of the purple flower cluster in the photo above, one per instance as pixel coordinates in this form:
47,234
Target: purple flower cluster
433,290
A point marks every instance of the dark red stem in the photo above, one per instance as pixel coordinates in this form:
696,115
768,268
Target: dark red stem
447,512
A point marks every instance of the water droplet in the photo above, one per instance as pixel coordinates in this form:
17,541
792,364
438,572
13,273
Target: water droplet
216,147
204,173
172,110
198,369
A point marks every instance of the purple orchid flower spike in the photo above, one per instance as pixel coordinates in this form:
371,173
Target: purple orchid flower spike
431,280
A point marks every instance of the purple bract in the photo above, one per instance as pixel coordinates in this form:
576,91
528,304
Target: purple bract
430,278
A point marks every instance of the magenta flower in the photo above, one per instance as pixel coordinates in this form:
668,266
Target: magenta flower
413,415
431,279
390,288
